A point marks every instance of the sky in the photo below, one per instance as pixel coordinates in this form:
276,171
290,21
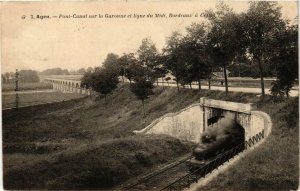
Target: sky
74,43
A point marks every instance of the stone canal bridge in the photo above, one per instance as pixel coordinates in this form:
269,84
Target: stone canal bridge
68,85
189,123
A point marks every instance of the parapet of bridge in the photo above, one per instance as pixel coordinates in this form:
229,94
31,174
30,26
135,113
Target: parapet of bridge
68,85
189,123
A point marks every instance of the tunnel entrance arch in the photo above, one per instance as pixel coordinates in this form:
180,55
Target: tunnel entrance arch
241,113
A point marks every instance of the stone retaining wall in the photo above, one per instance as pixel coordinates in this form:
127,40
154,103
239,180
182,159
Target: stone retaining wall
186,124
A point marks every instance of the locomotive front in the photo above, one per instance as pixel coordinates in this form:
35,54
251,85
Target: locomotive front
219,137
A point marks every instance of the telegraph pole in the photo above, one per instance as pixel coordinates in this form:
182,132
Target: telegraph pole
17,88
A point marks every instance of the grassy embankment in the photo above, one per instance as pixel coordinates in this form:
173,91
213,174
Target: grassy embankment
90,145
9,100
26,86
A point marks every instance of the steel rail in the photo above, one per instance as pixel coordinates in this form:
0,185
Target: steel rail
145,179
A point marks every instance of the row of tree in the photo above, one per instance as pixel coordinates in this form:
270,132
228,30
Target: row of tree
258,40
59,71
24,76
33,76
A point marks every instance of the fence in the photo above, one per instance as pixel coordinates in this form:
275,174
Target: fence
259,136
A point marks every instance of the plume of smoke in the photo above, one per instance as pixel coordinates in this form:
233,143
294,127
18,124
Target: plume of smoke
222,135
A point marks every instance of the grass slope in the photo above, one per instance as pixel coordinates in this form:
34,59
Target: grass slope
95,166
90,145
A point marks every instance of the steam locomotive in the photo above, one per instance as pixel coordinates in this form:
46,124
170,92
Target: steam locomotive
220,136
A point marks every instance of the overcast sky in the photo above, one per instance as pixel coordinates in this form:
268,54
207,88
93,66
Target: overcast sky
79,43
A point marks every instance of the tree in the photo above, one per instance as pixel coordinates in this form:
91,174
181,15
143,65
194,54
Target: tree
87,80
128,64
185,74
173,61
112,63
89,69
29,76
242,69
65,72
225,37
160,69
148,58
81,71
73,72
3,78
285,55
104,81
142,87
123,65
195,54
7,76
55,71
261,22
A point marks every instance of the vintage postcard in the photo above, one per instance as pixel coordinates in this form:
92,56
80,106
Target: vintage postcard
150,95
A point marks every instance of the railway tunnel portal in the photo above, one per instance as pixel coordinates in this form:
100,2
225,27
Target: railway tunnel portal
189,123
243,114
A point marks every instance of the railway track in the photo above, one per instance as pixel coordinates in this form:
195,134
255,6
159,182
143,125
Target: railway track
160,178
177,175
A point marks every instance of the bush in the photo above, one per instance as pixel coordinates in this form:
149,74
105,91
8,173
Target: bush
277,92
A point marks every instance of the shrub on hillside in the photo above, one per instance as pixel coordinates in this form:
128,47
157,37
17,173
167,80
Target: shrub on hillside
291,113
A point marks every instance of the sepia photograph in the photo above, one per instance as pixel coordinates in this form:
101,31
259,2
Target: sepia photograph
149,95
